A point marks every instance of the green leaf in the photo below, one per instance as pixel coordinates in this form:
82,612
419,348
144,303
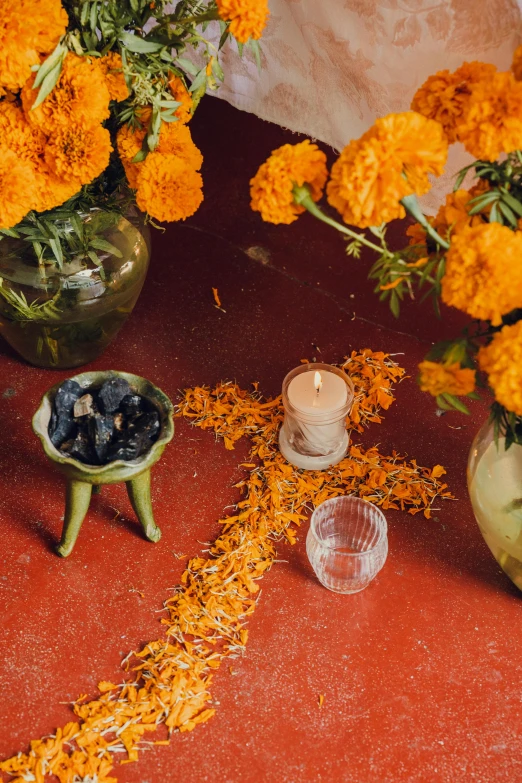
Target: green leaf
140,156
495,216
217,70
395,305
93,16
94,258
84,16
136,44
482,201
187,65
460,177
169,104
508,213
224,37
454,402
38,250
512,202
441,403
56,247
48,84
47,66
154,129
200,79
240,47
439,274
102,244
77,225
256,51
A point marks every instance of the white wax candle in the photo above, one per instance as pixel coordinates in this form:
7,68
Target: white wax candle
303,395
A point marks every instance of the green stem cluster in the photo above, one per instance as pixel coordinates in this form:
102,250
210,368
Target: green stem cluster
302,197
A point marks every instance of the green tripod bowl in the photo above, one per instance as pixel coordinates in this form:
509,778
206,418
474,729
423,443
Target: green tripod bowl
83,480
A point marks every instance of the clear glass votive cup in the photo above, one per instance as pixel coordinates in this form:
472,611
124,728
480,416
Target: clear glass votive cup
347,543
315,440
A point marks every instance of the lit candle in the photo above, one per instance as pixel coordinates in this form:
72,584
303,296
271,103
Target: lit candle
317,400
313,392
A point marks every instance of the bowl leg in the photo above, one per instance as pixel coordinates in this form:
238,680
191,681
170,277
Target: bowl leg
139,495
77,499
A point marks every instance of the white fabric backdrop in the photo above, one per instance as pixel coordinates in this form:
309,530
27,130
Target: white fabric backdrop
330,67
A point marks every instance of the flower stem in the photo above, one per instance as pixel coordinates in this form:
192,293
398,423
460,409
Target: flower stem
412,206
303,198
208,16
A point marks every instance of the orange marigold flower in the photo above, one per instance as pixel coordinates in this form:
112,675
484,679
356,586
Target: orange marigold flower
176,139
289,165
48,20
144,115
247,17
112,69
169,188
181,94
492,122
17,185
16,55
417,233
29,30
390,161
81,97
502,360
483,271
437,378
129,142
52,191
78,153
454,213
516,65
445,95
16,133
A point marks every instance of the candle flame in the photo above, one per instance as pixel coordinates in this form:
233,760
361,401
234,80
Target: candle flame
318,381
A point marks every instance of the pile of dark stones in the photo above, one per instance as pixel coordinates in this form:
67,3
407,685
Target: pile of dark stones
98,426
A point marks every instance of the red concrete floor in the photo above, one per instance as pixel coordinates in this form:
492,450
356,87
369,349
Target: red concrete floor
421,672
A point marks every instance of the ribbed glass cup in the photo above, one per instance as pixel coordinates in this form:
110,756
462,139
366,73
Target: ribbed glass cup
347,543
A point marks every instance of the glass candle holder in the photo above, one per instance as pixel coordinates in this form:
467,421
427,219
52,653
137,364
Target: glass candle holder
347,543
314,435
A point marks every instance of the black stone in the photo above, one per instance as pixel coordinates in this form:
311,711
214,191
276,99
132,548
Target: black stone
82,449
53,422
149,424
66,396
131,405
116,424
61,426
100,433
112,393
139,436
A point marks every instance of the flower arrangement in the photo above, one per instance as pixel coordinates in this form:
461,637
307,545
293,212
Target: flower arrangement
95,96
468,255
